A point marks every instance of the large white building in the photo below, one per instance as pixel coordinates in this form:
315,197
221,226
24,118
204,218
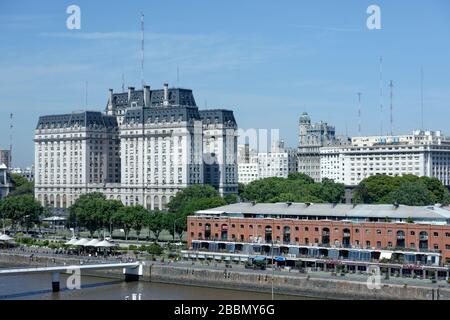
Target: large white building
311,138
252,165
147,146
423,153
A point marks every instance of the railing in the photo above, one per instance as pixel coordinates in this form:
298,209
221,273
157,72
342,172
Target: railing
423,238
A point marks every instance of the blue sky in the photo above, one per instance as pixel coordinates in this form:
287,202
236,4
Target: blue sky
267,60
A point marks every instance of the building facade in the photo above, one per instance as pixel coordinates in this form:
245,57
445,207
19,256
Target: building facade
415,235
5,181
312,137
147,146
27,173
5,158
422,153
252,165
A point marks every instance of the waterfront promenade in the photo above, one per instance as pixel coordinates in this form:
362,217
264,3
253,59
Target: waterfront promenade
315,284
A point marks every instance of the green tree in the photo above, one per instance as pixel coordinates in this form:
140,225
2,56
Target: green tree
23,210
155,223
88,211
376,189
412,194
21,186
139,219
183,198
123,218
230,198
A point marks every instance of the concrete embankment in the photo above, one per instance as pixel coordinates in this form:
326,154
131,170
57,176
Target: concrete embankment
250,281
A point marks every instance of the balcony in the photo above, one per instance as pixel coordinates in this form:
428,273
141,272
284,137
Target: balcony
325,234
400,237
346,234
423,238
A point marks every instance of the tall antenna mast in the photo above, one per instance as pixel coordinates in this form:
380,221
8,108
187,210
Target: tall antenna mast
178,76
10,139
392,107
86,96
359,113
421,96
381,95
142,50
123,82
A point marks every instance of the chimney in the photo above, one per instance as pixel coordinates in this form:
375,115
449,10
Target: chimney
166,94
147,96
130,90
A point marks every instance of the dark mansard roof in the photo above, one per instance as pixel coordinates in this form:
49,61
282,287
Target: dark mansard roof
82,119
177,96
218,115
161,114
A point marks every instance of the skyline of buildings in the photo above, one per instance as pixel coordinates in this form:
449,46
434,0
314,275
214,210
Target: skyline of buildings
145,147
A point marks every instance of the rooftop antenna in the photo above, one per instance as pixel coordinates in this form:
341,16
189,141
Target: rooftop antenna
178,76
381,95
142,49
359,113
123,82
391,85
86,96
421,96
10,139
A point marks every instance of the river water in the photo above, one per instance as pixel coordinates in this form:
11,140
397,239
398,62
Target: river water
38,287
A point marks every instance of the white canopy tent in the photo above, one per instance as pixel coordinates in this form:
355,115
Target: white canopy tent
71,241
80,242
104,244
91,243
5,237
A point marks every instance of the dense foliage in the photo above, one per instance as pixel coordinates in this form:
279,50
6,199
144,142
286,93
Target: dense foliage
22,210
408,190
298,187
189,200
21,186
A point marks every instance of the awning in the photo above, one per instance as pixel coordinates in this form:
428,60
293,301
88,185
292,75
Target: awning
385,255
280,259
55,218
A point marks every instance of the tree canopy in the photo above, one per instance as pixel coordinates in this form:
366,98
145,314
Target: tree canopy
21,186
298,187
408,190
23,210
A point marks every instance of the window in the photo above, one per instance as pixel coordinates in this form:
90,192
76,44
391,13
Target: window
296,228
368,244
306,229
378,231
412,233
412,245
356,230
436,247
390,244
242,226
316,229
378,244
436,234
389,232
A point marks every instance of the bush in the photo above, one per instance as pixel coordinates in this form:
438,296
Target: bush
132,247
155,249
